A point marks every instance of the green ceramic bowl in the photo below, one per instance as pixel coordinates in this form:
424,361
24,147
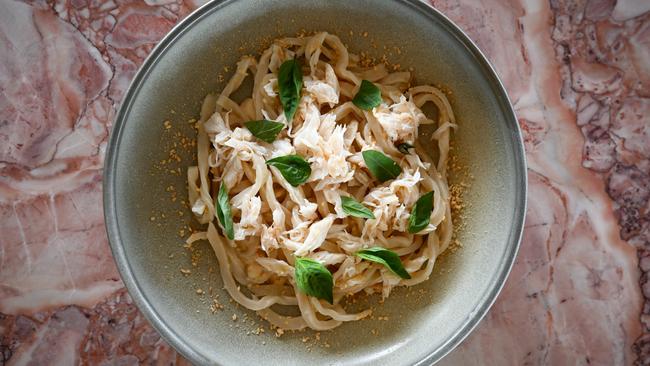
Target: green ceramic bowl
424,323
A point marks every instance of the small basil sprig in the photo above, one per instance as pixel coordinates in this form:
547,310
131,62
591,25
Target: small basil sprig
381,166
264,130
368,96
386,257
404,147
314,279
421,213
223,212
289,85
353,208
293,168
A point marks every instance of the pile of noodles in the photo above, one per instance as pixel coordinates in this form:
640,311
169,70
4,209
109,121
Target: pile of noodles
274,221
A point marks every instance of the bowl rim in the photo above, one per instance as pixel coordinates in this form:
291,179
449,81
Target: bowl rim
109,197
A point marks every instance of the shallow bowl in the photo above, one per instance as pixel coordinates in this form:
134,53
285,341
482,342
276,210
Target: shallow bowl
145,226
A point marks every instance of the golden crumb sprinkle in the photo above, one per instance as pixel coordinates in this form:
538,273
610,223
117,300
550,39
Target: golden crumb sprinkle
462,182
216,306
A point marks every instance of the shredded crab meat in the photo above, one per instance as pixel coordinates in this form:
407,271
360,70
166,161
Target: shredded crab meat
324,91
400,120
250,220
316,236
275,222
322,141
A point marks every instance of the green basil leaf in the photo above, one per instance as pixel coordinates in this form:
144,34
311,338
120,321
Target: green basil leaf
314,279
264,130
368,96
223,212
386,257
381,166
421,213
293,168
353,208
404,147
289,85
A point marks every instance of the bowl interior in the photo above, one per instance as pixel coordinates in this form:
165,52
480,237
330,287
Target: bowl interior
424,322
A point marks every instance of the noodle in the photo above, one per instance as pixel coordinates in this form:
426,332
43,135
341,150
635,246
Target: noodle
274,221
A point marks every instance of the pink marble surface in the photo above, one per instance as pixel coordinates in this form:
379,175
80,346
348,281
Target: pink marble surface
578,73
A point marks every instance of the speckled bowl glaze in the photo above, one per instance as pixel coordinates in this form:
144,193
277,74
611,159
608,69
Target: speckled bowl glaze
425,322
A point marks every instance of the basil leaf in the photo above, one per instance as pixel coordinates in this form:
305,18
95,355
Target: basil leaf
223,212
289,85
264,130
381,166
353,208
293,168
314,279
404,147
421,213
386,257
368,96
